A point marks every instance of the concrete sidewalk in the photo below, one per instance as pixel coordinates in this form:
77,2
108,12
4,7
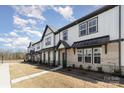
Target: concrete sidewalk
4,76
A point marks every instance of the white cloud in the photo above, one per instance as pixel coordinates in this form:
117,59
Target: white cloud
28,30
66,12
15,41
2,40
5,39
31,21
31,11
8,45
23,22
13,34
20,22
21,41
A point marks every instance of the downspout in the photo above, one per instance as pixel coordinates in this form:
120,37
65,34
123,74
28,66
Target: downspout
120,38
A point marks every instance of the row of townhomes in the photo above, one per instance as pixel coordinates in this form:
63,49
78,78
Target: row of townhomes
95,42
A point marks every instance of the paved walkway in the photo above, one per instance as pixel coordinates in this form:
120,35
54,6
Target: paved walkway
33,75
4,76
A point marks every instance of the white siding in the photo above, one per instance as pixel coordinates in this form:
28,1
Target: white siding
56,39
52,40
107,25
122,21
48,31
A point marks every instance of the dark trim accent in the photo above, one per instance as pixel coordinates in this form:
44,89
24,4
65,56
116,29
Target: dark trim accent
41,57
98,11
64,61
44,57
46,49
90,46
45,31
58,57
54,52
64,43
36,43
29,45
106,46
116,40
91,42
120,37
49,57
59,36
48,34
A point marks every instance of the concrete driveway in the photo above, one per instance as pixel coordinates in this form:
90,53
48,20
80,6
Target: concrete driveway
4,76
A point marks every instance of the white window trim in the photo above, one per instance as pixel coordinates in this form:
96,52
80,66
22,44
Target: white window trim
82,53
100,55
91,55
93,25
82,29
65,31
48,39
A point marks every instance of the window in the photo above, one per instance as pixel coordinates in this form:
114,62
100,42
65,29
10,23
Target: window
88,55
38,47
65,35
97,55
48,41
92,26
80,55
82,29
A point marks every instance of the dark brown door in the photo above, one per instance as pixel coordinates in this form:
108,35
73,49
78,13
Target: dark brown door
48,57
64,63
44,57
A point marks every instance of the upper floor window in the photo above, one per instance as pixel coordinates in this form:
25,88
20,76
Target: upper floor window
82,29
48,41
65,35
92,26
38,47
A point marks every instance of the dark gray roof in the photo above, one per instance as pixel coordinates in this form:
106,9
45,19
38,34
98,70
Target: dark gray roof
91,42
92,14
64,43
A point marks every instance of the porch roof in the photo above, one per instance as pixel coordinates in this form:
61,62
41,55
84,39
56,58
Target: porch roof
91,42
66,45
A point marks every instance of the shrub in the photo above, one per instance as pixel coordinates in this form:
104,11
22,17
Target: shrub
89,68
73,66
117,72
69,68
99,69
80,67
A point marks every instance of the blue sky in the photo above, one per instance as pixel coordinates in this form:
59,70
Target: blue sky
21,24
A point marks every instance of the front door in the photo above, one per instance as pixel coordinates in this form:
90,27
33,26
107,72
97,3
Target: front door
44,57
64,63
48,57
